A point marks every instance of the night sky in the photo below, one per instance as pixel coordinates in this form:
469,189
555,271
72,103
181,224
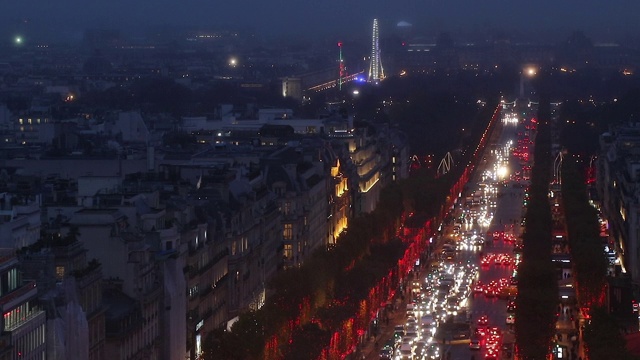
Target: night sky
67,19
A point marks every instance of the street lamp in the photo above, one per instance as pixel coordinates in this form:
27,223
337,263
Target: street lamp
528,72
502,172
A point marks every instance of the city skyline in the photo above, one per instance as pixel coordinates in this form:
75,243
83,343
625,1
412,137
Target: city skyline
286,19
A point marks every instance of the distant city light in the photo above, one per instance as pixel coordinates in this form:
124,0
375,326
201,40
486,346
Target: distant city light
233,62
18,40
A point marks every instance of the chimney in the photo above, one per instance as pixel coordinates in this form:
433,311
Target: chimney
151,160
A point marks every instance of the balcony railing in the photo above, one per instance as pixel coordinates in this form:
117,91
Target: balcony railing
28,287
24,320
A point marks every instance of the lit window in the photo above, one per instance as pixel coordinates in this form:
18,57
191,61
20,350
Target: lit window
287,233
288,251
59,272
193,291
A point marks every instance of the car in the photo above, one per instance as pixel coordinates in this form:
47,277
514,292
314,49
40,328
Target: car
486,261
410,310
407,340
491,291
391,343
449,256
511,306
475,344
433,352
427,323
461,334
483,320
420,349
507,292
410,328
386,353
405,352
415,287
453,303
448,247
511,319
413,334
398,332
480,332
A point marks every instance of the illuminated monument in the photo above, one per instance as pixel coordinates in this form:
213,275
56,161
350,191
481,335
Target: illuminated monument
376,73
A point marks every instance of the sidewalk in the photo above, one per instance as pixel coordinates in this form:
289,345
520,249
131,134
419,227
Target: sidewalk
568,336
372,346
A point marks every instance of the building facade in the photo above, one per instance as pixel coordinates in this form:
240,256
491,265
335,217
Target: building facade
618,185
24,321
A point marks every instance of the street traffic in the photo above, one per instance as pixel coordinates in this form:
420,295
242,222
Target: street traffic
460,304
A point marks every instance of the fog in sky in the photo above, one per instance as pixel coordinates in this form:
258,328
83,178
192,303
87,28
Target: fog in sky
67,19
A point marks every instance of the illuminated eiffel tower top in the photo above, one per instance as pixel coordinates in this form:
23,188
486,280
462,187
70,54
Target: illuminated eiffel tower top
376,73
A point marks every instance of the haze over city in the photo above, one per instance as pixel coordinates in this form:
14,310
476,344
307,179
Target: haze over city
319,180
66,20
